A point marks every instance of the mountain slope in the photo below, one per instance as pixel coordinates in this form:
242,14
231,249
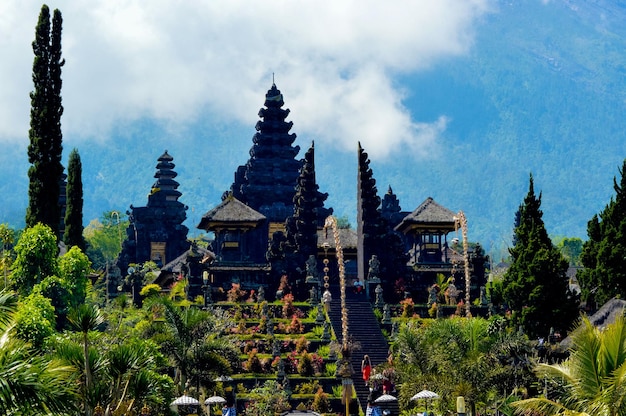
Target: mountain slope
543,90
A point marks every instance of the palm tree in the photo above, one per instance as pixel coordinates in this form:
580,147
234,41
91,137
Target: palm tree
30,383
186,330
459,357
592,381
85,318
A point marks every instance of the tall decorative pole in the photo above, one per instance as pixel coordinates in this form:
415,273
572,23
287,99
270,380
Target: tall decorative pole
344,369
461,221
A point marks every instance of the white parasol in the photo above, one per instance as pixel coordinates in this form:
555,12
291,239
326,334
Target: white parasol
425,394
214,400
185,401
386,398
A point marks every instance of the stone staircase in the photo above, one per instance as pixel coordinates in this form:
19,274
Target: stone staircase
364,328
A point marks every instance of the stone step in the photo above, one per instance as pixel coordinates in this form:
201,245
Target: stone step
363,327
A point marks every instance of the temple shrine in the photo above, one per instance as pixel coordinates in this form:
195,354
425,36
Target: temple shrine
269,227
156,232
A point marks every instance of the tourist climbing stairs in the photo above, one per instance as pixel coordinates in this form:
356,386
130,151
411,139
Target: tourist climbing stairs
364,328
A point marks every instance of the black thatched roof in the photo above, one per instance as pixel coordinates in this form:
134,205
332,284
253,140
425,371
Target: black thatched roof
428,215
165,277
231,211
606,315
347,238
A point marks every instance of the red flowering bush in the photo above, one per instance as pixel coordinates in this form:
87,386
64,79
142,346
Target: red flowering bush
295,327
235,294
407,307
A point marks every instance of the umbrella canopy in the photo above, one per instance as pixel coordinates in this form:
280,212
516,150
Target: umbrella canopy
386,398
425,394
214,400
185,401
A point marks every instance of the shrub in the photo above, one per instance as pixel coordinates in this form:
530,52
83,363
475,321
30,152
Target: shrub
407,307
460,308
302,345
150,290
235,294
317,331
295,327
432,312
321,403
330,369
323,350
309,387
305,365
288,307
253,364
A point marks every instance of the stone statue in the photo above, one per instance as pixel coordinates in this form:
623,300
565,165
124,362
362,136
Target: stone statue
386,314
320,318
276,348
379,296
260,296
281,369
313,296
433,291
270,327
326,333
394,330
452,293
311,266
374,269
326,299
483,296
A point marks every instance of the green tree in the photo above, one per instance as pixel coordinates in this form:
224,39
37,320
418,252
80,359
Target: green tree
536,287
105,237
571,248
7,237
58,293
45,148
603,254
127,371
73,235
591,380
189,338
68,288
74,266
32,384
269,398
35,258
469,357
34,321
86,318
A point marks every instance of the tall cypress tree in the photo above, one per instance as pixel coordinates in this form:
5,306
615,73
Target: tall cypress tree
536,287
45,148
73,235
604,273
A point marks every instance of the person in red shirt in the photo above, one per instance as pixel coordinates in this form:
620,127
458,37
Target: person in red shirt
366,368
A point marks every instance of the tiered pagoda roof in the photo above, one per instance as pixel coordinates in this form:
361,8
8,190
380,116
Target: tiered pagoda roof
266,183
160,221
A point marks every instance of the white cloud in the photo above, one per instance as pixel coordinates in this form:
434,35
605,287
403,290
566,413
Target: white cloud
172,60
